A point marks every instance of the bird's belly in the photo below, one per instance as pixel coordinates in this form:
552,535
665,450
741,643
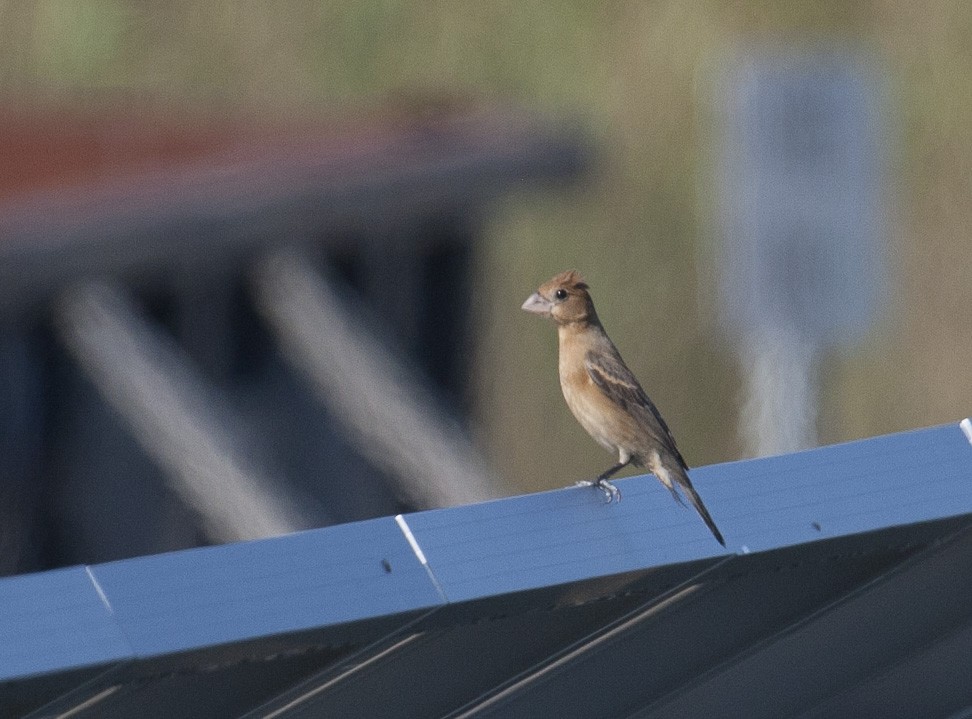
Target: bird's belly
586,407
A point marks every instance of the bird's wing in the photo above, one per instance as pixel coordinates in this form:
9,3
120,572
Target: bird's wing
619,384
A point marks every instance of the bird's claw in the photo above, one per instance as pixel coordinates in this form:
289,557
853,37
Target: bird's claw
610,491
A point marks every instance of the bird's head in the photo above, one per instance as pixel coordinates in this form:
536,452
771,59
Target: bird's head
563,298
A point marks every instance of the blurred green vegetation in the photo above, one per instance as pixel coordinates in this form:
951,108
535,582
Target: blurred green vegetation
632,74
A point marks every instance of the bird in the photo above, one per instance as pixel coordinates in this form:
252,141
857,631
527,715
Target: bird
606,398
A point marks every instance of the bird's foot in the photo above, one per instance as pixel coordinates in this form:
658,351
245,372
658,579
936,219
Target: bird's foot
611,492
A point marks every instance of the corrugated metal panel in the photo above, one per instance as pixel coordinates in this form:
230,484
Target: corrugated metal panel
181,601
558,537
842,489
554,603
56,621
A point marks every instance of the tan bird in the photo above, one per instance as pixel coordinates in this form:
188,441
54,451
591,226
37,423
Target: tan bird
604,395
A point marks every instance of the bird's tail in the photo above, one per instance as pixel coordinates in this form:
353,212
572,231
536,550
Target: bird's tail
685,484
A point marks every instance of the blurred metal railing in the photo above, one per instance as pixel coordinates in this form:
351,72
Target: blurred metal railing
175,416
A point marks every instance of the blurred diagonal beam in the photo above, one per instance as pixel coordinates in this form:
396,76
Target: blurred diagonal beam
378,400
174,415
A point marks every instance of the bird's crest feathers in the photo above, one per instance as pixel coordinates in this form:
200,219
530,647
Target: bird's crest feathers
570,279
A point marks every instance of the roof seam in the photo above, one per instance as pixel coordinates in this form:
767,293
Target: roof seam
966,425
99,589
133,654
420,555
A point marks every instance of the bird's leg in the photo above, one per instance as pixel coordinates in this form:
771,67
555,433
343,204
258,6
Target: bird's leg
610,491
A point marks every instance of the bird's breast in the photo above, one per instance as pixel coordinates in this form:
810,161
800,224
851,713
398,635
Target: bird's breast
591,408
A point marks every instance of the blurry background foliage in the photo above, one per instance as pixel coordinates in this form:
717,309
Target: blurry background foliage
632,74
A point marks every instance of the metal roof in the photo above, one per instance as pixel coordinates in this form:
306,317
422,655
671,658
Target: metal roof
844,591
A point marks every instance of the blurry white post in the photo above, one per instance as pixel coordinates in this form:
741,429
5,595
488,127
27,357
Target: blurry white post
782,387
800,215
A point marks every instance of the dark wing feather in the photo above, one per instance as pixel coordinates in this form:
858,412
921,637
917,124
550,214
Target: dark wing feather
614,379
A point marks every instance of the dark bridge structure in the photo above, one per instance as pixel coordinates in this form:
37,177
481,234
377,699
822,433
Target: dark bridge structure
202,318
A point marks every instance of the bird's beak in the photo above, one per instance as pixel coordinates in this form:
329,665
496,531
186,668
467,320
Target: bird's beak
537,305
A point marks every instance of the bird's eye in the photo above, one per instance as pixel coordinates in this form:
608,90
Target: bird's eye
561,294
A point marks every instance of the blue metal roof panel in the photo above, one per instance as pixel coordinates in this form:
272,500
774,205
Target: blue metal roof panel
563,536
843,489
552,538
185,600
55,621
348,616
